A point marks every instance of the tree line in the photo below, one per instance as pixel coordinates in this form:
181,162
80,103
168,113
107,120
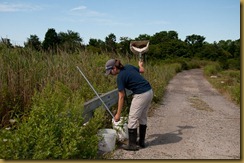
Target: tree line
163,45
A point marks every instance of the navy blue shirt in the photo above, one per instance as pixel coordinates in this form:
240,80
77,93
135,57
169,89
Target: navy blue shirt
130,78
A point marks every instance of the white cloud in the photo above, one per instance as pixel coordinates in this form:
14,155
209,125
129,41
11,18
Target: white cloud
83,11
79,8
6,7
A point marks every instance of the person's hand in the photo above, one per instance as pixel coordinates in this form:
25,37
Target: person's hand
116,117
141,68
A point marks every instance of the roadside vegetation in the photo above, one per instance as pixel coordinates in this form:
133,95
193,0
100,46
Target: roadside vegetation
42,94
227,82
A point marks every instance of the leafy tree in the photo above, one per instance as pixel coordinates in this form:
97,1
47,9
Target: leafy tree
96,42
208,51
156,52
33,42
143,37
69,41
178,48
223,44
124,45
237,52
163,36
173,35
232,47
96,46
51,40
159,37
195,42
110,42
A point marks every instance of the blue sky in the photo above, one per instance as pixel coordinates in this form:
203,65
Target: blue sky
214,19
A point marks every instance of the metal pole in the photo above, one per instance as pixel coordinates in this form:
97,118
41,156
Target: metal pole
95,92
140,57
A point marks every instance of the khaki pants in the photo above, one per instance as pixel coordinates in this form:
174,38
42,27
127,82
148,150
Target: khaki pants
139,109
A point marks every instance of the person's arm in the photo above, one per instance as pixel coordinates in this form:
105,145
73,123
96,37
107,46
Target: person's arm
141,68
120,105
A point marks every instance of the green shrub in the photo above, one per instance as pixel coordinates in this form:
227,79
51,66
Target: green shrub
195,64
184,65
212,69
54,128
234,64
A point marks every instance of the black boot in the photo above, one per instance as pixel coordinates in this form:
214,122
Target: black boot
132,140
142,134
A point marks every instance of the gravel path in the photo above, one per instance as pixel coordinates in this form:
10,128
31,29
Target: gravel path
193,122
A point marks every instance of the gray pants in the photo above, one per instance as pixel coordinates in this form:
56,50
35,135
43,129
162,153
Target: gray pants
139,109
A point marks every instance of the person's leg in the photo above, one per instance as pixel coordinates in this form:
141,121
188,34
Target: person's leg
134,114
146,99
142,134
131,146
143,119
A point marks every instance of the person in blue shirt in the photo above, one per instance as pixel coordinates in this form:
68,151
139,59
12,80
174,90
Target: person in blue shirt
130,77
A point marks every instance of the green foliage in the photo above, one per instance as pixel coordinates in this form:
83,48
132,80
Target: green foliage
226,81
92,49
54,128
69,41
234,64
159,75
51,40
236,93
195,40
124,46
212,69
232,79
110,42
163,45
20,71
5,42
33,42
184,65
24,70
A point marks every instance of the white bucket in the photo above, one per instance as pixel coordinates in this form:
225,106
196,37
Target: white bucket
107,143
121,128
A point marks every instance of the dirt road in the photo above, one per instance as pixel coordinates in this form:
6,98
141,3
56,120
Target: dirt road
193,122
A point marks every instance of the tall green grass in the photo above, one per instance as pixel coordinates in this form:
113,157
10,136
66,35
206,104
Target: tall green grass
24,71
